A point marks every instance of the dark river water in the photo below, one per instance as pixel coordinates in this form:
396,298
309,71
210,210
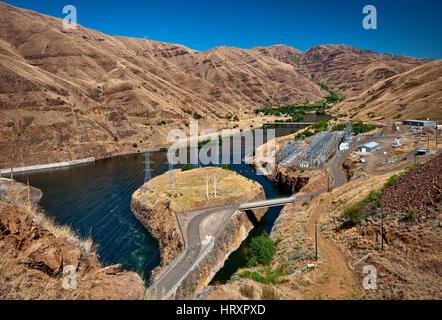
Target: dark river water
94,199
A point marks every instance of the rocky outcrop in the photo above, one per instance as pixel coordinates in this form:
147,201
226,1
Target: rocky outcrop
153,208
288,184
418,189
33,260
161,223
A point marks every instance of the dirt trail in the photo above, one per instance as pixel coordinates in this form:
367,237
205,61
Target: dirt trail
335,280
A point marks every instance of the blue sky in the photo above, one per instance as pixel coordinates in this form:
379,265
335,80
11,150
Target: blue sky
405,27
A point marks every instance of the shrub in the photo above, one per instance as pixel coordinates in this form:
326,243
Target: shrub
135,145
269,276
269,293
203,143
261,249
164,149
410,216
354,214
116,139
186,167
197,116
225,166
357,212
248,291
392,180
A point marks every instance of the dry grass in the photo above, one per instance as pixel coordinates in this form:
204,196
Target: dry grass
269,293
19,283
248,291
19,199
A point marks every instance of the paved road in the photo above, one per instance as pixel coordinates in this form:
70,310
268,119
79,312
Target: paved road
193,247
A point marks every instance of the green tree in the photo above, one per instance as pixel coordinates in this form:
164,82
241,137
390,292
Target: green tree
261,250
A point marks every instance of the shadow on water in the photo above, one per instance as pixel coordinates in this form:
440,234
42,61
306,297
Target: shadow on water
94,199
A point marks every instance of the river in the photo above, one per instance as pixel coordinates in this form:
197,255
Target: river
94,199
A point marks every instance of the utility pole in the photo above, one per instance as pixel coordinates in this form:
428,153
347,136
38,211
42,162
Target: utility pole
207,187
171,181
382,231
316,241
428,135
214,187
328,181
29,193
147,171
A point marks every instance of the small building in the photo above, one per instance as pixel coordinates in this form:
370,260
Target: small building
421,151
304,164
344,146
369,147
419,123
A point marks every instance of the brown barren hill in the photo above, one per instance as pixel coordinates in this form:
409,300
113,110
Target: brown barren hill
414,94
349,70
71,94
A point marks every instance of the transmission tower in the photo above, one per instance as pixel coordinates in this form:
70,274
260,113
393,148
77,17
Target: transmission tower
147,171
171,188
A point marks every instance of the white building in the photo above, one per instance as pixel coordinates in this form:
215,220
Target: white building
369,147
344,146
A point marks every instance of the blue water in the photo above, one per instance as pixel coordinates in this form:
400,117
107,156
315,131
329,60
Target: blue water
94,199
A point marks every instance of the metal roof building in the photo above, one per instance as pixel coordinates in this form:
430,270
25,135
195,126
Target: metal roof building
419,123
369,147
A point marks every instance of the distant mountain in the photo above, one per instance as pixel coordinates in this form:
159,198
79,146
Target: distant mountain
81,93
416,93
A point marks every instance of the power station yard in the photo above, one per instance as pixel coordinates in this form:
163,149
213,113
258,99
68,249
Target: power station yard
389,158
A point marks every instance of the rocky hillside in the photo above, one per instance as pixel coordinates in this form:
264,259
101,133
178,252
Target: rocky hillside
70,94
409,267
34,253
416,93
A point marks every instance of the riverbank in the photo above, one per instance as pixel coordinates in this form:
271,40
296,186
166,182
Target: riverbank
36,251
47,166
